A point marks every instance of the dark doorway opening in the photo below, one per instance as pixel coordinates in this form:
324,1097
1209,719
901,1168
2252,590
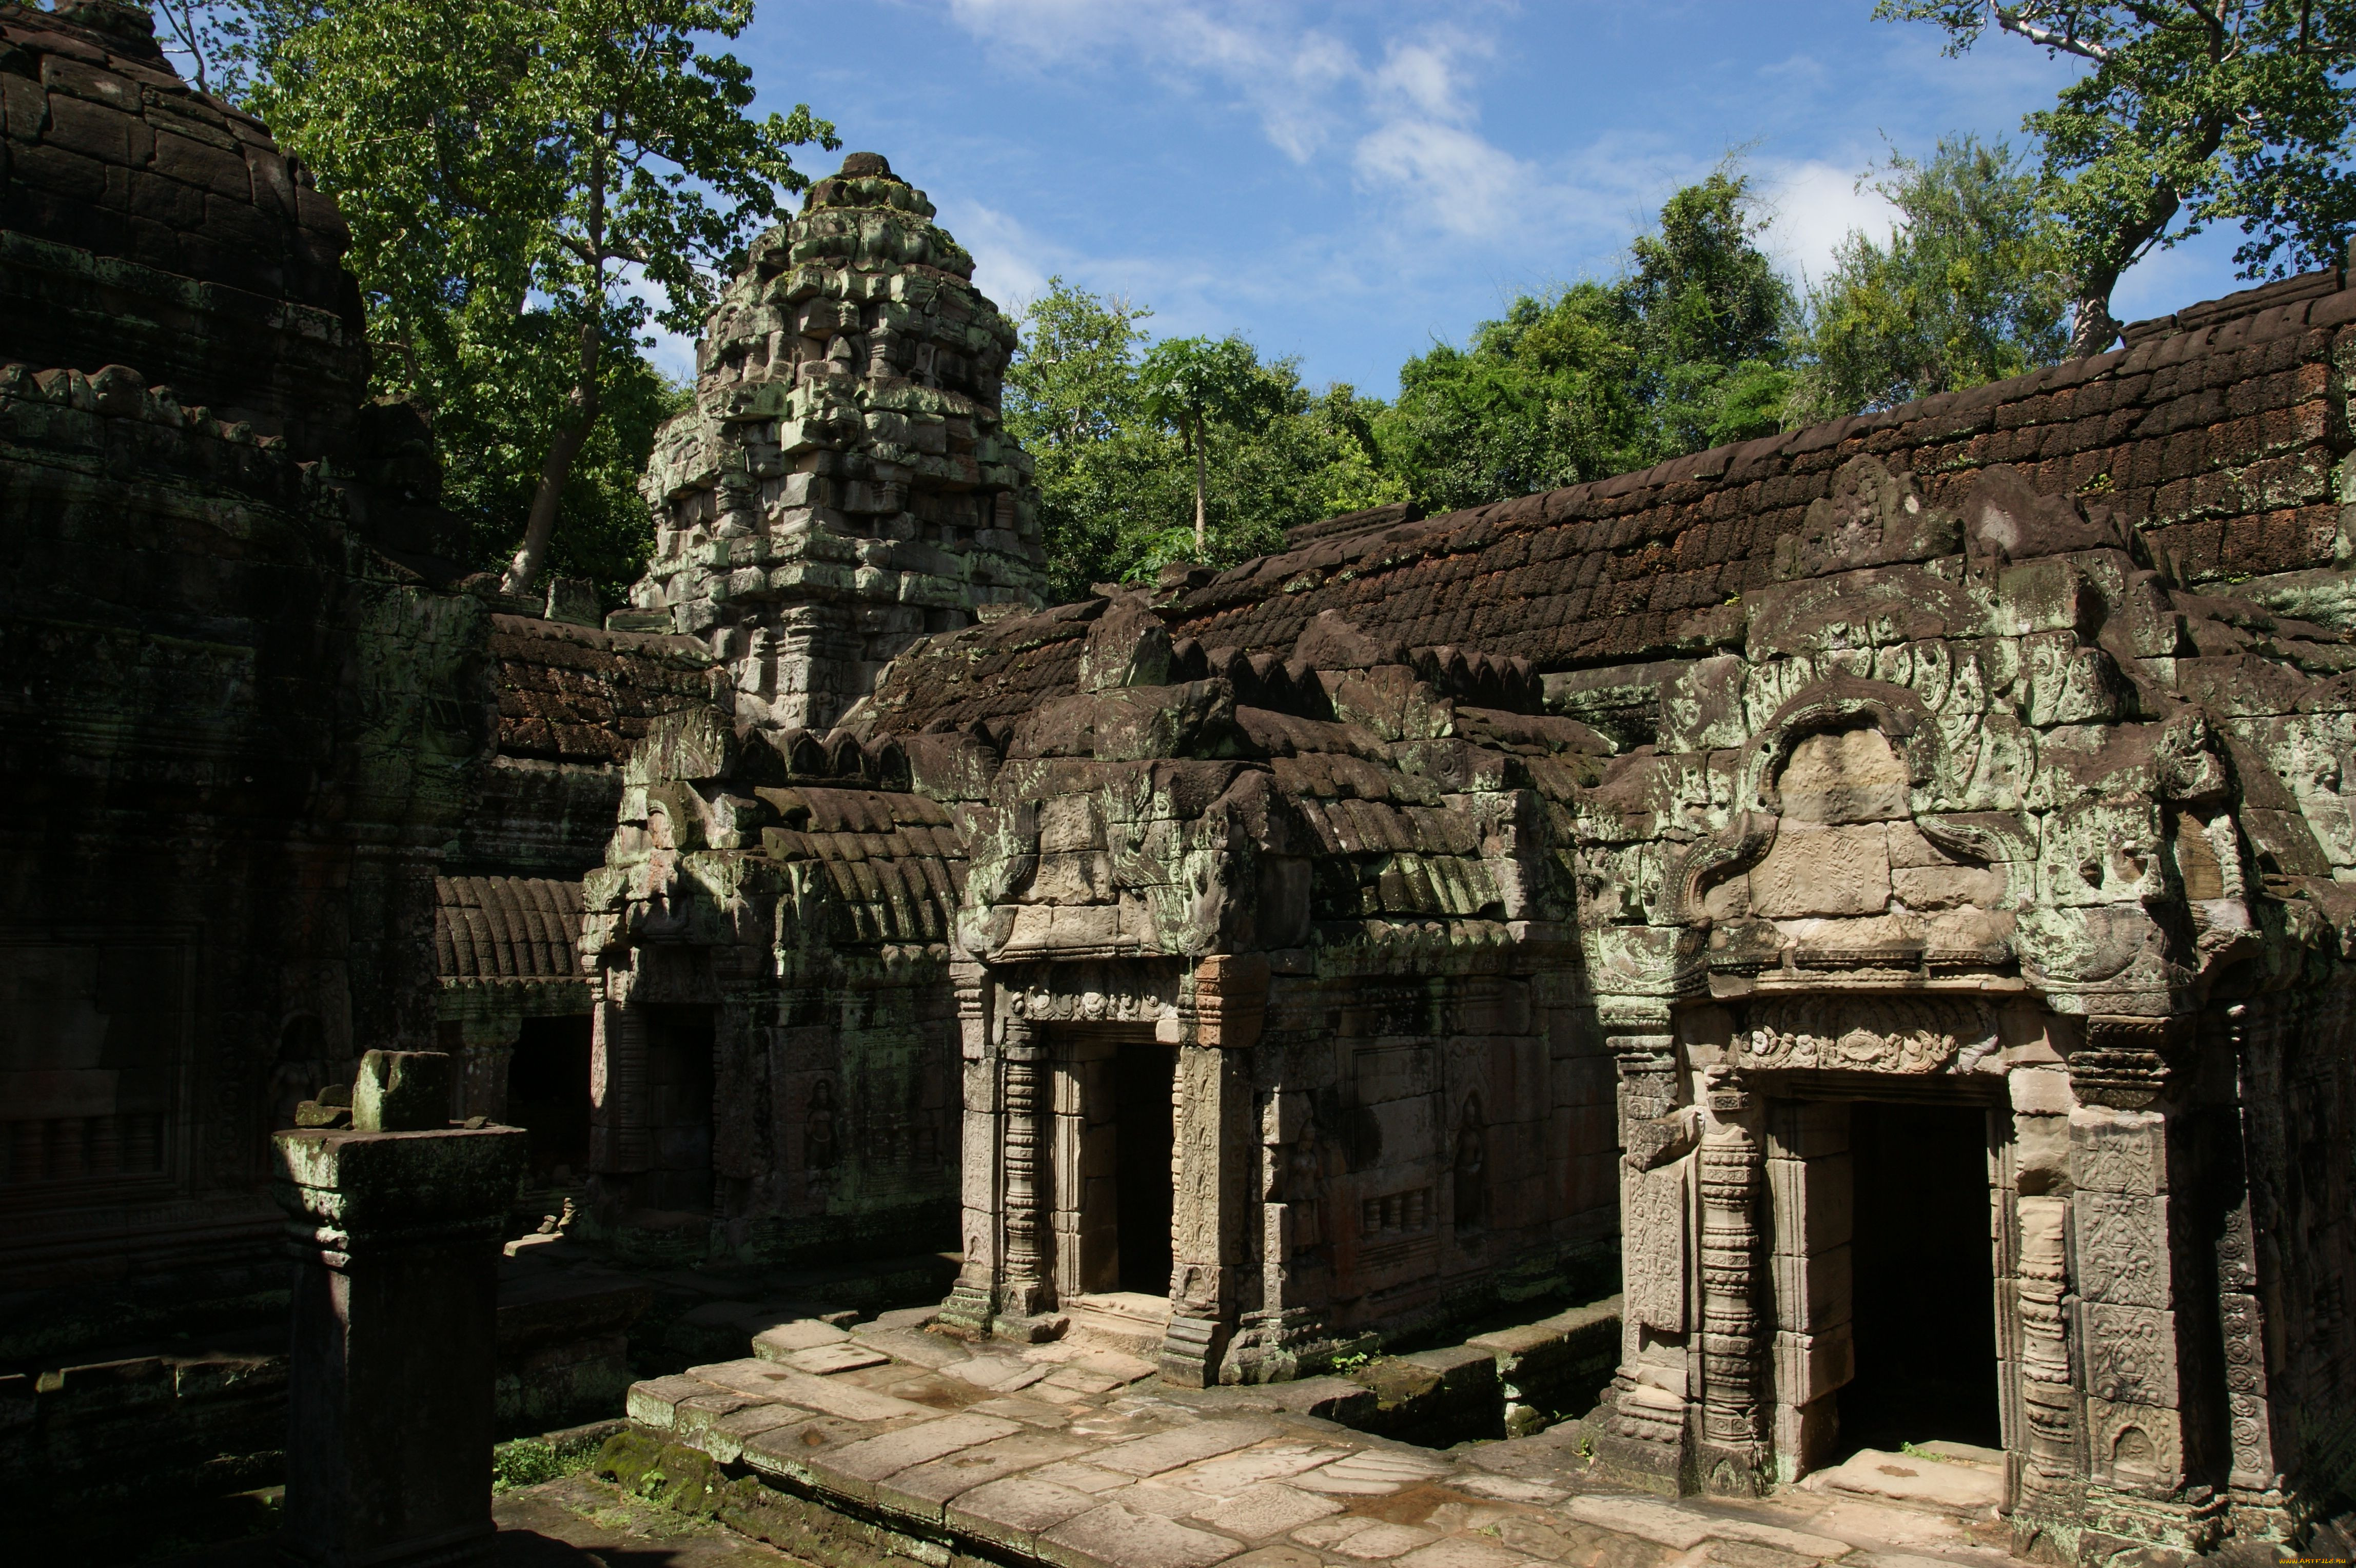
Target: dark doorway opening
1923,1299
679,1086
1145,1074
548,1094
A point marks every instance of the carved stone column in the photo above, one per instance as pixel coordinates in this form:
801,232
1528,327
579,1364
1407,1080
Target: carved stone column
1646,1441
1024,1293
2049,1478
620,1144
2256,1481
2135,1345
1732,1453
393,1353
1286,1333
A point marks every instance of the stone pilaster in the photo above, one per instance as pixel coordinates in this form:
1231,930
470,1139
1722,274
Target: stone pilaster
973,1301
1811,1186
2131,1326
1645,1443
1220,1016
2256,1481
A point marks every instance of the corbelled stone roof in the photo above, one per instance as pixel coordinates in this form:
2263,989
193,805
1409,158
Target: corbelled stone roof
2210,436
506,928
570,693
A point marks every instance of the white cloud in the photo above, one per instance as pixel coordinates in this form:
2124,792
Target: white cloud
1282,70
1815,205
1011,263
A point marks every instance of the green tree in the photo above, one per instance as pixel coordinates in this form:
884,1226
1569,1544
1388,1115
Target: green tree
229,44
1709,313
1972,286
504,160
1118,484
495,425
1688,349
1194,384
2192,112
1545,396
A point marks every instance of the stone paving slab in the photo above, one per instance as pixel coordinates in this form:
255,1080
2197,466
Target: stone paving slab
1941,1483
1011,1513
1113,1536
803,1334
1073,1453
923,1490
786,1385
1168,1450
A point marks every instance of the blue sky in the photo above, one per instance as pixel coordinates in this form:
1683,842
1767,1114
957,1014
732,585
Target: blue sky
1347,182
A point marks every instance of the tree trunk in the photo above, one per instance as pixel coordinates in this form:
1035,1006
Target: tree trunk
580,418
2093,330
581,415
1202,527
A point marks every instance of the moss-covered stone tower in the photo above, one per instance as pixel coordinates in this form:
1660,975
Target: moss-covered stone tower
842,485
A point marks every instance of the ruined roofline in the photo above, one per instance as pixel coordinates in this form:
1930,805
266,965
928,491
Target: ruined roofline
2213,448
2213,442
1403,522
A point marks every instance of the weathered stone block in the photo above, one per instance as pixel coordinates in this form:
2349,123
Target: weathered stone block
2130,1353
1822,871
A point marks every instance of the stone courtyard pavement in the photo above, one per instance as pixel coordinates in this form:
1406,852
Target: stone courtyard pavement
1075,1453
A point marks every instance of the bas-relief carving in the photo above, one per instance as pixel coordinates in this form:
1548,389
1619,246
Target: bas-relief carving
2122,1255
1653,1248
2130,1353
1864,1034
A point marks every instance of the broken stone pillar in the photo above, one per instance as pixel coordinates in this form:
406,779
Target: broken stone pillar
396,1222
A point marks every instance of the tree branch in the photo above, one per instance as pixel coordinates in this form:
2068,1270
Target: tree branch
2066,40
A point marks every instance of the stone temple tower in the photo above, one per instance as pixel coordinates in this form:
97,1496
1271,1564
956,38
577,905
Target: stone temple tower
842,485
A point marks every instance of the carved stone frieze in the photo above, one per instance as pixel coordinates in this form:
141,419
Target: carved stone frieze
1863,1034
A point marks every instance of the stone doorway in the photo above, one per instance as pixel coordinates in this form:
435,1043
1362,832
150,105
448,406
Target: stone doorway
1923,1299
1112,1192
679,1043
1145,1075
548,1094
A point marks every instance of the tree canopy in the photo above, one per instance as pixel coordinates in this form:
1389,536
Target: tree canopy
2192,112
1970,285
501,161
1689,348
1117,470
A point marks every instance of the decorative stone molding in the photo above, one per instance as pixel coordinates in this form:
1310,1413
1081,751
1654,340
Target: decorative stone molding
1863,1034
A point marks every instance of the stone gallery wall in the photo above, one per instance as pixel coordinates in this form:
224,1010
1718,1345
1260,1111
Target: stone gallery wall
769,947
149,225
239,734
1988,755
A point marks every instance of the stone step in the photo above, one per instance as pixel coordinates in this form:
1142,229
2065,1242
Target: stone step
1135,1321
1969,1483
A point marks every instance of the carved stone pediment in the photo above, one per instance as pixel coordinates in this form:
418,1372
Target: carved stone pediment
1862,1033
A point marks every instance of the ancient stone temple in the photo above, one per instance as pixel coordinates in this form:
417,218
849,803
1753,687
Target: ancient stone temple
1880,893
1886,880
780,1080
